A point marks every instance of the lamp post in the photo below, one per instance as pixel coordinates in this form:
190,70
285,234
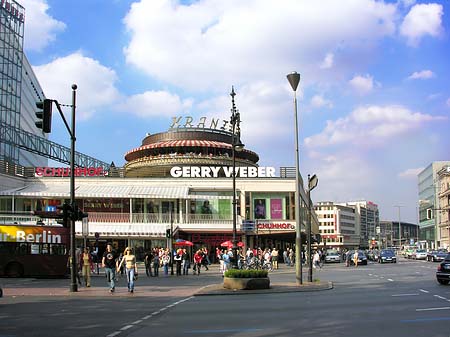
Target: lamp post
236,145
294,80
312,183
73,269
399,228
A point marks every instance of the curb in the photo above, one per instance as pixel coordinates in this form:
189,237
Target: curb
218,289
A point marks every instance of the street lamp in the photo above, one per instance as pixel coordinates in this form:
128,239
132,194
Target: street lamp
312,183
294,80
236,145
399,227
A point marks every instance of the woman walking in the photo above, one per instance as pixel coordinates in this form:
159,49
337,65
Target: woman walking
129,260
86,265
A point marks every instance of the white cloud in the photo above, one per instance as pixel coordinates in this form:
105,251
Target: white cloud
95,83
422,20
328,61
407,3
421,75
156,104
40,27
448,102
318,101
370,126
410,173
220,46
362,85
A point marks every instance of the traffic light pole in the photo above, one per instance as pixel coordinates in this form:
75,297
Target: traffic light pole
73,269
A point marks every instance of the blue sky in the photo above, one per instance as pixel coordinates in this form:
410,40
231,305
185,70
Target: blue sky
373,101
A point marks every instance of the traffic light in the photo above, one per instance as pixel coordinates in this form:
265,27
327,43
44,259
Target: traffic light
168,233
45,115
66,214
78,214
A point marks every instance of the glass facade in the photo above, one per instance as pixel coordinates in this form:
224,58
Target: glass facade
11,55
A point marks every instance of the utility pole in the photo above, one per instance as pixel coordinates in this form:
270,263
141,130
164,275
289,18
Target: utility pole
399,226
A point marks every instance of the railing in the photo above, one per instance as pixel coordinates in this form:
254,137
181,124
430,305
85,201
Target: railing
157,218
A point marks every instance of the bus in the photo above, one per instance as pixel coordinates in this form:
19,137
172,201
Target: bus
33,250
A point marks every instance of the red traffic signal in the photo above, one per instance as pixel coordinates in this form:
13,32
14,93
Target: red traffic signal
45,115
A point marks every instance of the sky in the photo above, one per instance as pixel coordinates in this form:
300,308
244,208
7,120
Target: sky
373,100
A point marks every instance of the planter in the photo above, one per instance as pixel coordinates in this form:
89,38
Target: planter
246,283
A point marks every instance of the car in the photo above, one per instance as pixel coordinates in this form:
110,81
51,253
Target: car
436,255
387,256
443,271
362,258
419,254
332,256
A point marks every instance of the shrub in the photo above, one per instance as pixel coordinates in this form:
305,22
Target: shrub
251,273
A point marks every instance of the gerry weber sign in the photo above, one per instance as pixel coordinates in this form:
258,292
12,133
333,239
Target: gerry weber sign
220,171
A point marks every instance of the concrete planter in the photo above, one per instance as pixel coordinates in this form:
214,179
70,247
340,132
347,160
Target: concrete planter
246,283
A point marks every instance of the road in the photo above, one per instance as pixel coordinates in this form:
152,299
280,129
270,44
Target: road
400,299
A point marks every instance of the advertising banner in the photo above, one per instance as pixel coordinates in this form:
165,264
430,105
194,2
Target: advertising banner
276,209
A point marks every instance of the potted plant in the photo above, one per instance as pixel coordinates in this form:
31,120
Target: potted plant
246,279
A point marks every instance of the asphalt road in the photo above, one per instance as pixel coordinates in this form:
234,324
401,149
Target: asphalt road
400,299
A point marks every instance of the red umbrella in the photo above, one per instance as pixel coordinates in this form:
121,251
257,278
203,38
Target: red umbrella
229,244
183,243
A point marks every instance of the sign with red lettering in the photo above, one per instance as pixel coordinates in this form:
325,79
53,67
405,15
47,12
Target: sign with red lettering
65,172
276,226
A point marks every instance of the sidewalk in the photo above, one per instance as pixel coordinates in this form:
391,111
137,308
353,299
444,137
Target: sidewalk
207,284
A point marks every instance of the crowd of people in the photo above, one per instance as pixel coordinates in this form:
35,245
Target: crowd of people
159,258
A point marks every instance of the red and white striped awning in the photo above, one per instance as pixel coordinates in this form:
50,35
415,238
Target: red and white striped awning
181,143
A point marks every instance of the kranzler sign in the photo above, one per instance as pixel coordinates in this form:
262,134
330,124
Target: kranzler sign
221,171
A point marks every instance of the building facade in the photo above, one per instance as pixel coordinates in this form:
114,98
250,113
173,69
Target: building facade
444,207
429,210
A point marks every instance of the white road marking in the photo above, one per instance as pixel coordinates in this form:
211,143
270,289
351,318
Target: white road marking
424,291
137,322
399,295
442,298
431,309
115,333
126,327
391,280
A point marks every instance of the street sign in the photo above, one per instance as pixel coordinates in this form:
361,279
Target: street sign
85,226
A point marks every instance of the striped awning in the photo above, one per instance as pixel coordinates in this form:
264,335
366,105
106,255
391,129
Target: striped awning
182,143
62,189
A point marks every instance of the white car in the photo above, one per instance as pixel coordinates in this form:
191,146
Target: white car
332,257
419,254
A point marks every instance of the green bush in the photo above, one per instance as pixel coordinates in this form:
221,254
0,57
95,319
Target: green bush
251,273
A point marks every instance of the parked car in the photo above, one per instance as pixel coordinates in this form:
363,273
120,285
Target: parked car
387,256
443,271
436,255
419,254
332,256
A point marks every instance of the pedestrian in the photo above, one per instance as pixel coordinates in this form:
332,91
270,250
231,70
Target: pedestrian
316,260
205,258
148,263
275,258
109,262
198,256
77,264
86,266
129,260
226,257
166,261
355,258
185,262
156,263
178,258
291,257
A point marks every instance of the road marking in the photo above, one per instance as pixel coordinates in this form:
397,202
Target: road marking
442,298
137,322
210,332
391,280
146,317
114,334
432,309
399,295
126,327
424,291
425,319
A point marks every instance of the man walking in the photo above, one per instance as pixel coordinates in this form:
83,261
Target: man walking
110,265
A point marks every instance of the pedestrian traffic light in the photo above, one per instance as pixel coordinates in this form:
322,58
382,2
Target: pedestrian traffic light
44,115
168,233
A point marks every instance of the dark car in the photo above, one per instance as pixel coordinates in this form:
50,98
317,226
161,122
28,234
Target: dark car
443,271
362,258
436,255
387,256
